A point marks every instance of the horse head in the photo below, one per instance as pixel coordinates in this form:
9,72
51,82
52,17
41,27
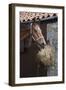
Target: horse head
37,35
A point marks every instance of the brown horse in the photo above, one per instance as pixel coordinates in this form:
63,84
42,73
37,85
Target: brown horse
37,34
46,53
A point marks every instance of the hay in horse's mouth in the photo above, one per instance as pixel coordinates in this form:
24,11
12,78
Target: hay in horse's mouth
46,55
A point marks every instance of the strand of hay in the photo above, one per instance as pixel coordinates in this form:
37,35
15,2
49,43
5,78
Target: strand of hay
46,55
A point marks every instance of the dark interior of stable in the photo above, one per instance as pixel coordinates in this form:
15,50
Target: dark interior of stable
28,64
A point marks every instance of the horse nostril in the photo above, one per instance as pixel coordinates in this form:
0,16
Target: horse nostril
42,43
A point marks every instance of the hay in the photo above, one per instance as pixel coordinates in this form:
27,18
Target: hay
46,55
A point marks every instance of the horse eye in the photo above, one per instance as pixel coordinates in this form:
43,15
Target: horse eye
35,30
